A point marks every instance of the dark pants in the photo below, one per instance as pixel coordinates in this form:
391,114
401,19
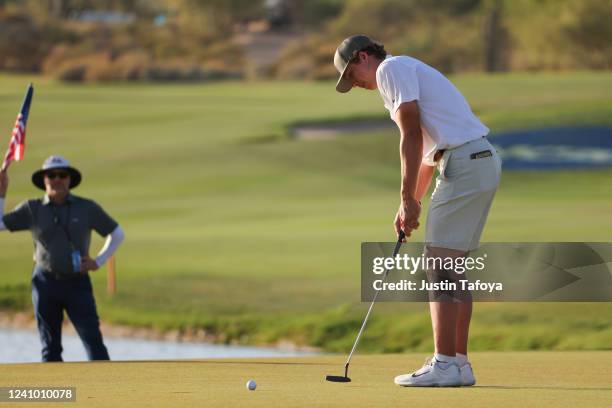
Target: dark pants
51,296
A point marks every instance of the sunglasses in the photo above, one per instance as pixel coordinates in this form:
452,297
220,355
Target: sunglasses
55,174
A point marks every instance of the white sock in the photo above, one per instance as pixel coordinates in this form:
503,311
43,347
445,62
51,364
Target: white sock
444,360
461,359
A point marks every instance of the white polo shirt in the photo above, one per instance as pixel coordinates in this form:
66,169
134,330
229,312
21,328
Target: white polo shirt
447,120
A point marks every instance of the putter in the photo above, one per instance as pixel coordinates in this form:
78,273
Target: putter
345,378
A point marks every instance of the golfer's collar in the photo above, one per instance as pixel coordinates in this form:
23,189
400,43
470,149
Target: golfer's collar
47,201
379,65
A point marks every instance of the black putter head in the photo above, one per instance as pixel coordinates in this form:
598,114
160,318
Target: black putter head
337,378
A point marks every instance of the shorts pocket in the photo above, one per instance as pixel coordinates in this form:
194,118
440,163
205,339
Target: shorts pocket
487,172
443,164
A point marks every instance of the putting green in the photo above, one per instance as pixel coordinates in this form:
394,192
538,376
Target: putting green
526,379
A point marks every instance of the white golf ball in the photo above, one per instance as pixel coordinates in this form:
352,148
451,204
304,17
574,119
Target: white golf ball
251,385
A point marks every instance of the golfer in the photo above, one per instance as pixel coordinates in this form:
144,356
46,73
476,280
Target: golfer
61,225
437,128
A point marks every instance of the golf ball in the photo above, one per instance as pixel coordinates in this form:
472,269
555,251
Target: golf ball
251,385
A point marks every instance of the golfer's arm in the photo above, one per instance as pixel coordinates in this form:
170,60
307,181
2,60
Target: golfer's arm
411,148
113,241
425,175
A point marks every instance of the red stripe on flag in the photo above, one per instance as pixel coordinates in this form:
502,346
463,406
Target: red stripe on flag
16,144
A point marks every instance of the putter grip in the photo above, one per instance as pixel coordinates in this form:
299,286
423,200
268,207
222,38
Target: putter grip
400,238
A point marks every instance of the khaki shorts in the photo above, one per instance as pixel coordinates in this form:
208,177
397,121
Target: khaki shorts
463,195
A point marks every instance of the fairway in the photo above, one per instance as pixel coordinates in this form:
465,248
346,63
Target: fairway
526,379
235,230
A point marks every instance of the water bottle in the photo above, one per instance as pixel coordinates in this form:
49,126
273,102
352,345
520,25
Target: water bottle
76,261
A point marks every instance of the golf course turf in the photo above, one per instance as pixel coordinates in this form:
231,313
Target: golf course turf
504,379
235,230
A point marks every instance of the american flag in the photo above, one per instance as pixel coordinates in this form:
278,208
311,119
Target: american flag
17,143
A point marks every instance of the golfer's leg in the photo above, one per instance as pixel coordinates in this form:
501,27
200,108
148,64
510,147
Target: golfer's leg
81,308
464,315
445,306
443,322
441,370
49,317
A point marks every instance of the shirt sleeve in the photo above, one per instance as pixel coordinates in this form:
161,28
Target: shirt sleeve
397,83
110,246
19,219
100,221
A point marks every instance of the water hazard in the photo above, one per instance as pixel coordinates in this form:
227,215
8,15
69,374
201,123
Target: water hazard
552,148
555,148
23,346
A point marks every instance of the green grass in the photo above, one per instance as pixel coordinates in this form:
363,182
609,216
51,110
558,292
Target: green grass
528,379
234,228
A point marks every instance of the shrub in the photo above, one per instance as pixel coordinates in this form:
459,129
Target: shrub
23,44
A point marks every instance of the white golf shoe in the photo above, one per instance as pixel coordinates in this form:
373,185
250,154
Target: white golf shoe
432,375
467,375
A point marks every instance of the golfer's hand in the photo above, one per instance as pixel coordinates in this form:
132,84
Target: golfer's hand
88,264
407,217
4,182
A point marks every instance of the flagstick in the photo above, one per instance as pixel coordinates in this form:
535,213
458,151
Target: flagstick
111,284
